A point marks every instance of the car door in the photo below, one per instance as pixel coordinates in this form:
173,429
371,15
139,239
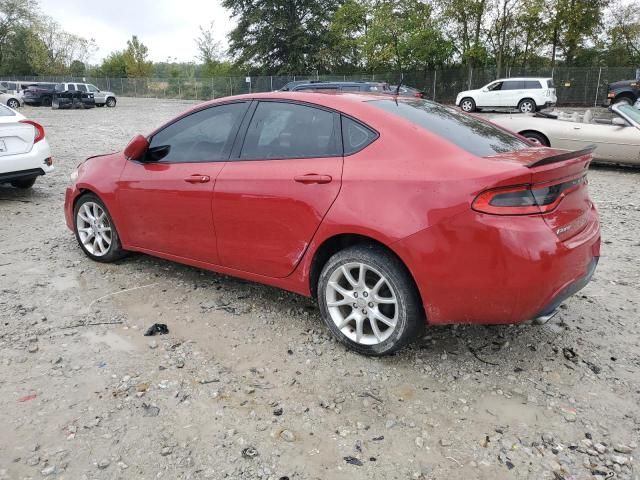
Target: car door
614,143
489,96
98,96
166,200
512,92
272,195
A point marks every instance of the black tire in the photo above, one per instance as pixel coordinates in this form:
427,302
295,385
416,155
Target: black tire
527,105
25,183
13,103
115,251
468,105
46,102
410,317
536,137
111,102
623,100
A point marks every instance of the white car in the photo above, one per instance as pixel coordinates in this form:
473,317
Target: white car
24,150
12,100
102,97
617,139
526,94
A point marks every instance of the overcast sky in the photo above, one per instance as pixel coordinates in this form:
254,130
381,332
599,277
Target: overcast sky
167,27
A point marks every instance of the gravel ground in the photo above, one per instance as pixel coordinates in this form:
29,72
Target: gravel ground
249,385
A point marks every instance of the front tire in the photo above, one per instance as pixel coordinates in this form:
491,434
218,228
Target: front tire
527,106
24,184
46,102
13,103
369,301
95,230
468,105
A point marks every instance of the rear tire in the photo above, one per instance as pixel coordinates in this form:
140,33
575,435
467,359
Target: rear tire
368,300
468,105
111,102
536,138
13,103
46,102
24,184
95,231
527,106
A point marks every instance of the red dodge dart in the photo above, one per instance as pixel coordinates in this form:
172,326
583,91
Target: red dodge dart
393,212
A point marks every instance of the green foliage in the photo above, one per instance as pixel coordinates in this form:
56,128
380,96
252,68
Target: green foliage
135,58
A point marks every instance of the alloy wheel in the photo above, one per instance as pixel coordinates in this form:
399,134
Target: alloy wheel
362,303
466,105
526,107
94,229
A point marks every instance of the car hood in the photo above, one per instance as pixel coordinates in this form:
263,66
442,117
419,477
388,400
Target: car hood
624,83
468,92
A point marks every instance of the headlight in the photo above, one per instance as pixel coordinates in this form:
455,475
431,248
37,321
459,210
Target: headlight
74,175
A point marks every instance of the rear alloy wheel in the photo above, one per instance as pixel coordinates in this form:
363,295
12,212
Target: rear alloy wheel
46,102
111,102
536,138
24,184
368,300
527,106
13,103
468,105
95,230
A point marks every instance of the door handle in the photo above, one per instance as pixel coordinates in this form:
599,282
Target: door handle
198,179
313,178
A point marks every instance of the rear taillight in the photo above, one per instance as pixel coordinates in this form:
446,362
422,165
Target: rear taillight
525,199
39,130
419,94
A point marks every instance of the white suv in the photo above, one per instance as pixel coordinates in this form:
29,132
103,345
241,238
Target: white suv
526,94
102,98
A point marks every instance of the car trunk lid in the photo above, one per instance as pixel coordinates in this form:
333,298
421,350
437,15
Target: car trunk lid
15,138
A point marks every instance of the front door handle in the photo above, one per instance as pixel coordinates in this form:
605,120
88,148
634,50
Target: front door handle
313,178
198,179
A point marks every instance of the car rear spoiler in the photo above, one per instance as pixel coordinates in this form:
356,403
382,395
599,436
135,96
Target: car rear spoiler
562,157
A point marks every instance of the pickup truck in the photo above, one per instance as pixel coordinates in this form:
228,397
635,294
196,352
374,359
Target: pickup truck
627,91
40,94
102,97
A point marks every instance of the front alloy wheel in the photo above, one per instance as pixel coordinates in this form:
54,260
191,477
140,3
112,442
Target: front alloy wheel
467,105
368,300
95,231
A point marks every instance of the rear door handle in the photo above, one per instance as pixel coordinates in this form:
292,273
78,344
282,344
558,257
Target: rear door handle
198,179
313,178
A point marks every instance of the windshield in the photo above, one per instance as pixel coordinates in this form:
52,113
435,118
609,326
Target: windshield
631,112
475,136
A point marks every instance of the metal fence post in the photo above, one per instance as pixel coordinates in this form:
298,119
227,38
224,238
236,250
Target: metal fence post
595,102
271,78
435,76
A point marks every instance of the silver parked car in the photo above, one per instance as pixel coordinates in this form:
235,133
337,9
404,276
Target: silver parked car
12,100
617,139
102,97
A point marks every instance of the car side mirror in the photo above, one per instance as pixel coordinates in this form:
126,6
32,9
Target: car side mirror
619,122
137,148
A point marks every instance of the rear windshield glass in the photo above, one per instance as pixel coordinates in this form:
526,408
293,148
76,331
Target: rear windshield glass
5,112
550,84
474,136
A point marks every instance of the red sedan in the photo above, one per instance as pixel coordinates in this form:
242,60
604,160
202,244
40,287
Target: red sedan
393,212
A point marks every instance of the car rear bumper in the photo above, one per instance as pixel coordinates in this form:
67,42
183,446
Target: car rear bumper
37,160
20,175
489,269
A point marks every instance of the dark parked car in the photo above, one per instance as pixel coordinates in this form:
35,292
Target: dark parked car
65,99
368,87
405,91
627,91
40,94
290,86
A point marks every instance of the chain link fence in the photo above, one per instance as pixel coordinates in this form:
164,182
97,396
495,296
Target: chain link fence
576,86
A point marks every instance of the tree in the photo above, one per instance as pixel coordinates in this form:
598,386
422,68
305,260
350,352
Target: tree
466,20
280,36
14,15
624,35
77,68
61,47
114,65
135,58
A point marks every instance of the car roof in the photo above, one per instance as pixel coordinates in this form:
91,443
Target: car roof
522,78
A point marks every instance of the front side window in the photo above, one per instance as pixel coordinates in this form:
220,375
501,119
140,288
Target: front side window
92,88
475,136
289,130
494,87
82,88
203,136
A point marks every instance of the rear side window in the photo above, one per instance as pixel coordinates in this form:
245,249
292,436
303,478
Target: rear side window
281,130
203,136
513,85
355,136
532,85
350,88
71,87
473,135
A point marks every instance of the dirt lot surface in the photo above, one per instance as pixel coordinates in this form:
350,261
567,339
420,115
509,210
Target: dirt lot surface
248,384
